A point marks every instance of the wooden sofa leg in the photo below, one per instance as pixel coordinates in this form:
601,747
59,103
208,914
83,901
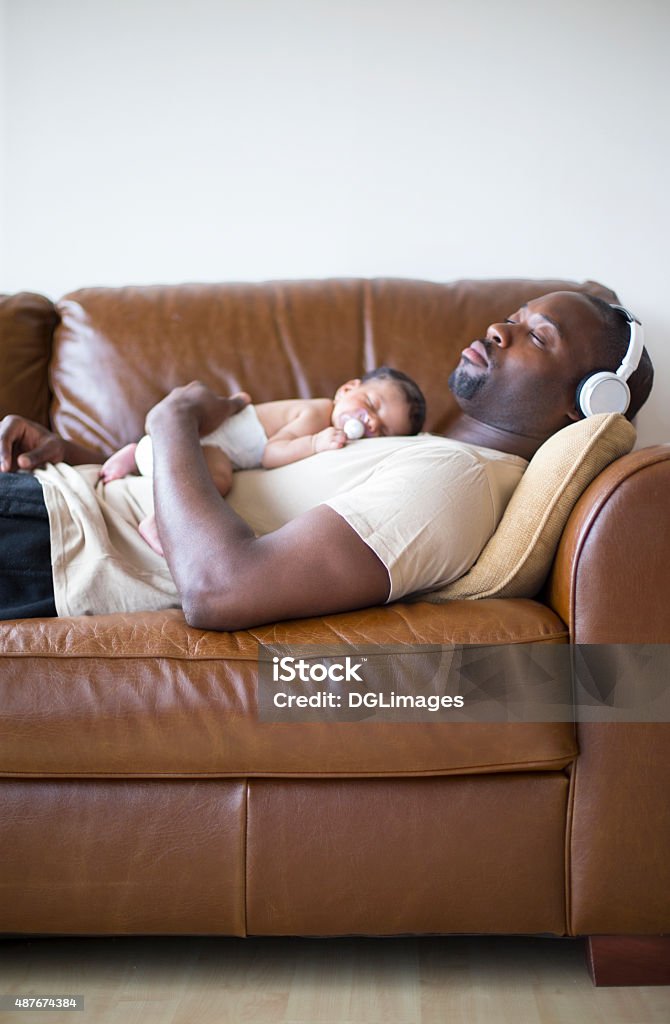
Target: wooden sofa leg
629,959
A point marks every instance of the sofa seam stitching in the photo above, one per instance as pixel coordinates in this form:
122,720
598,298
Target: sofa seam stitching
553,764
562,634
568,844
245,854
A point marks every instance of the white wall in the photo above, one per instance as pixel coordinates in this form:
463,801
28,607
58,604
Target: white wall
150,140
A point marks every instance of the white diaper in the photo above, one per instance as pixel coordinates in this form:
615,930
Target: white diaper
241,437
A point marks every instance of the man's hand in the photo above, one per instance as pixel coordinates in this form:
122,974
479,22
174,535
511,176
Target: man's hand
197,403
227,577
27,445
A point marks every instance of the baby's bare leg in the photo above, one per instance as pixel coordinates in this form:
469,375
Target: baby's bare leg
119,464
149,531
220,468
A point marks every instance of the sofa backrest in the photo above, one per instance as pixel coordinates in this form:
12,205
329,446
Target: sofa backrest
117,351
27,323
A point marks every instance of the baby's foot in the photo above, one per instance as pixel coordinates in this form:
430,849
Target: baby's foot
119,464
149,531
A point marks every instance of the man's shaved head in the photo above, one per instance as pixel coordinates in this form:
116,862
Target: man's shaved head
522,376
615,339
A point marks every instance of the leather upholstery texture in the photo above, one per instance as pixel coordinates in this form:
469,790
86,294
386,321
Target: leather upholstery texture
139,793
146,696
117,351
611,583
620,832
27,322
114,858
482,854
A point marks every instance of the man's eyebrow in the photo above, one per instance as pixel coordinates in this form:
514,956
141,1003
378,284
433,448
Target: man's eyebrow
549,319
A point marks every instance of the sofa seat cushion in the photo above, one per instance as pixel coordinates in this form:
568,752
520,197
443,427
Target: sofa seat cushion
147,696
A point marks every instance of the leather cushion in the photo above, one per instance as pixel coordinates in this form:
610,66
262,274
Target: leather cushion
146,696
27,322
482,854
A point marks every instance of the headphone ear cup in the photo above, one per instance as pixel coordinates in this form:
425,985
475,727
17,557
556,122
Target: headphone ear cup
602,392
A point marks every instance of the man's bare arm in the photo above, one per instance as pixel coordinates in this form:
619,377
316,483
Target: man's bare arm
228,578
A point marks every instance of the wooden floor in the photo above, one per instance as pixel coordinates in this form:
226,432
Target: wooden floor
459,980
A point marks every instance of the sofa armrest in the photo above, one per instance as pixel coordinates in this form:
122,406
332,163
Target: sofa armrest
610,584
610,581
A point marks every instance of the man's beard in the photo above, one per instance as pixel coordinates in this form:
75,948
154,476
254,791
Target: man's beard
465,385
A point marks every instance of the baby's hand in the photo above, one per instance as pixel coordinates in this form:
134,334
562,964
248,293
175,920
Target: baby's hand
328,439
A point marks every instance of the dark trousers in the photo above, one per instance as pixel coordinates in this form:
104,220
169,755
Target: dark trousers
26,581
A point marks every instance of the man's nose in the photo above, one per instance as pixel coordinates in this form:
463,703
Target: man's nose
500,334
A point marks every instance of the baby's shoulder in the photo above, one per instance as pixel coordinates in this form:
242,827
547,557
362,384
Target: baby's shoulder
319,408
313,413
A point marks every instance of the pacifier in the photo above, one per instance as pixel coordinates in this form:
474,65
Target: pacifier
353,428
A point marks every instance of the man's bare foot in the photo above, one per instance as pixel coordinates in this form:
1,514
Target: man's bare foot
119,464
149,531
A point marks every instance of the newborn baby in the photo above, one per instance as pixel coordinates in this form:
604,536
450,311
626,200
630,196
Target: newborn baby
384,402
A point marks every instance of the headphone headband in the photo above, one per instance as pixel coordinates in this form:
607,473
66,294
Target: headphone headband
631,360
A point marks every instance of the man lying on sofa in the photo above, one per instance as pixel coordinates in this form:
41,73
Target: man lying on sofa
370,523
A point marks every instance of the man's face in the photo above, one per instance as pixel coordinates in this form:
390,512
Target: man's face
523,375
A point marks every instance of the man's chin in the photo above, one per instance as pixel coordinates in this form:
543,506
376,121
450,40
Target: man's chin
464,385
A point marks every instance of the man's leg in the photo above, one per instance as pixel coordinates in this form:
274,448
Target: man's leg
26,581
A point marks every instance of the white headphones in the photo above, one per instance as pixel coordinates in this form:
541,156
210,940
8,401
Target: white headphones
606,391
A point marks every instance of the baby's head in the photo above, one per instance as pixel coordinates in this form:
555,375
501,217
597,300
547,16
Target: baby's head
386,401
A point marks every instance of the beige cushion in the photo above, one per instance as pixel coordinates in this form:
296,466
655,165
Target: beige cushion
518,557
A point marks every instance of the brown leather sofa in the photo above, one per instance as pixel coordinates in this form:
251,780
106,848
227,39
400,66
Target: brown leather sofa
140,794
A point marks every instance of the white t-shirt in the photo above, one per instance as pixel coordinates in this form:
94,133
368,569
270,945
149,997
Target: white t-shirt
426,506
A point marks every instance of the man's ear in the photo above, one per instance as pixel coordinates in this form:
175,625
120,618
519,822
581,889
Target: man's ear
347,386
574,412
